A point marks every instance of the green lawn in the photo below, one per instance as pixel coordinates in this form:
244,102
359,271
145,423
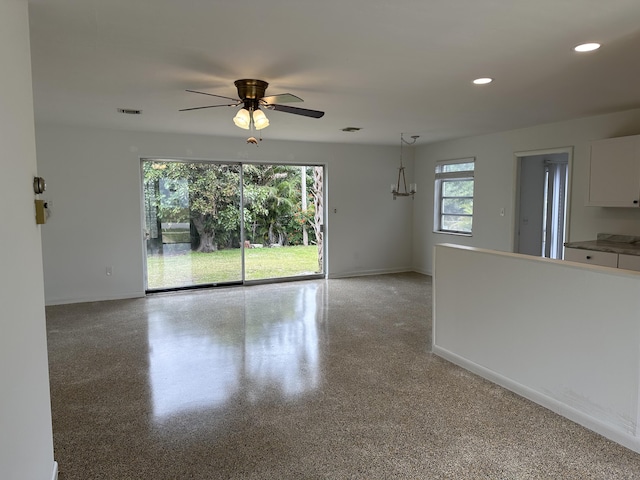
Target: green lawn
193,268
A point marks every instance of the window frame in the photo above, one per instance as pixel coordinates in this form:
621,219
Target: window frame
440,178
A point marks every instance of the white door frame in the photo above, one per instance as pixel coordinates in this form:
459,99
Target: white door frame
517,157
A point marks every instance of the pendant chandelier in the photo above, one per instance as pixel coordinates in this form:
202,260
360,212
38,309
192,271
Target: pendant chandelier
399,189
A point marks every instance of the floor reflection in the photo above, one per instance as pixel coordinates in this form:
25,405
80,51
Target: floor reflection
268,348
282,343
190,371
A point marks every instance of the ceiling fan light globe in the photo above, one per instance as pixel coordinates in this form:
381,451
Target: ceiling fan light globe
242,119
261,125
260,120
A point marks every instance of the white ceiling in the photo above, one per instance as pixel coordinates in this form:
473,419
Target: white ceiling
387,66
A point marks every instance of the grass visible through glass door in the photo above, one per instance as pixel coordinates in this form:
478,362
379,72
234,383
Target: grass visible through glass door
194,268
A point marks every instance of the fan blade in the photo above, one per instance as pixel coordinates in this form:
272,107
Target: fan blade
282,98
296,110
209,106
213,95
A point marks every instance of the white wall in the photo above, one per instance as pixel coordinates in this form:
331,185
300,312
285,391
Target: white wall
572,347
93,179
495,183
26,445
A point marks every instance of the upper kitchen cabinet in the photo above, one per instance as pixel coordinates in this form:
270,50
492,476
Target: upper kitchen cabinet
614,174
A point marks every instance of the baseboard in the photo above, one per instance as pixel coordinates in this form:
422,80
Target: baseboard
366,273
606,430
423,272
102,298
54,475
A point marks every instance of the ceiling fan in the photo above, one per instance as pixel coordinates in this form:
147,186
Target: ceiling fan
253,99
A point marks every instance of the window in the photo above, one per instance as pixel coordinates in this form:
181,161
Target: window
454,196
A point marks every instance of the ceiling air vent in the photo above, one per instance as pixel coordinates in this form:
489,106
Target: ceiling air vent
351,129
130,111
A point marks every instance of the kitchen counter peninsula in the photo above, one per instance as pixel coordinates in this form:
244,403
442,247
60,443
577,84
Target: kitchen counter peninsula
605,242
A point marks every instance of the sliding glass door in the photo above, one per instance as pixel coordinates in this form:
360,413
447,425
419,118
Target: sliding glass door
283,221
192,223
195,234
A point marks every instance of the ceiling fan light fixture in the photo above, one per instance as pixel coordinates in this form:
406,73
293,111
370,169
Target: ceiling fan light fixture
242,119
260,120
252,97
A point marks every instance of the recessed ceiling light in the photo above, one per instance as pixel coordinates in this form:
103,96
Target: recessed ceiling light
483,80
587,47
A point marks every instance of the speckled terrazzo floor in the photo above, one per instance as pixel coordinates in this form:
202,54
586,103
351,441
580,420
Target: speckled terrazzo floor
307,380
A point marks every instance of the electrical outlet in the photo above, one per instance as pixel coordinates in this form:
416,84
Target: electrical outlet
109,271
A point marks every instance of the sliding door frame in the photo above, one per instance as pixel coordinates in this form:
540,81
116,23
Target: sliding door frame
243,280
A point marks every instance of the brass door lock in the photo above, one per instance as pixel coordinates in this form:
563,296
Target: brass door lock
39,186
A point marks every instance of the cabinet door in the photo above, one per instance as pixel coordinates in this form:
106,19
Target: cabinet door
592,257
629,262
614,174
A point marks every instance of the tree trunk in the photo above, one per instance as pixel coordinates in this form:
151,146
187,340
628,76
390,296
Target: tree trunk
207,235
254,228
303,198
318,201
207,243
270,235
275,237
